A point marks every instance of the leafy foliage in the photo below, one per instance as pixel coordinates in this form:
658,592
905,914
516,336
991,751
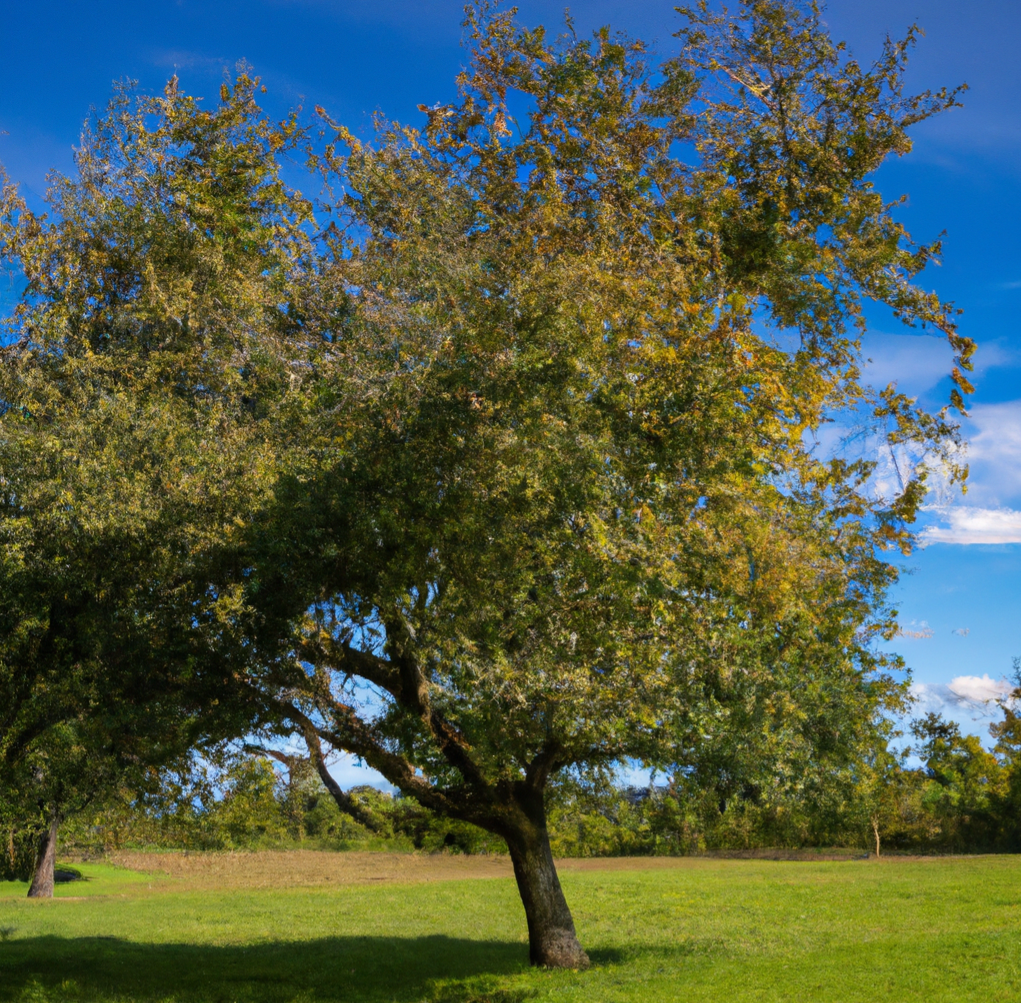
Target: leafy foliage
152,317
599,312
500,464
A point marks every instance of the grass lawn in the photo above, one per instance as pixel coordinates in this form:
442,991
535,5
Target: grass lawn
406,928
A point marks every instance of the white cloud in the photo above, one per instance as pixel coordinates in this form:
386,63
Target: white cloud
928,697
914,362
989,512
970,525
978,688
995,447
975,695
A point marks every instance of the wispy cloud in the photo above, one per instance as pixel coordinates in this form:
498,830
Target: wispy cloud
916,629
976,695
971,525
917,363
988,514
182,59
995,446
978,688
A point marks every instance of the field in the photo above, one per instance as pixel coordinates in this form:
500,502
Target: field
307,926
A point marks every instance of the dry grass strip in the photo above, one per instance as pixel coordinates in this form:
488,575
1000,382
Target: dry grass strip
284,869
275,869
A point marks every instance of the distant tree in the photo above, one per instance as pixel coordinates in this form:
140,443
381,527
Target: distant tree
877,794
963,785
1006,734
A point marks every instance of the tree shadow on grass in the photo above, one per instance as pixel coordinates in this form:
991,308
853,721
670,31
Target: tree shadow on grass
331,969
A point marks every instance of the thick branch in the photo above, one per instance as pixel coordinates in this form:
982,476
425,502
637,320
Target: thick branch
415,698
401,677
345,802
350,734
543,764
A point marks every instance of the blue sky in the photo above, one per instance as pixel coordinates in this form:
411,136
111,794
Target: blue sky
356,56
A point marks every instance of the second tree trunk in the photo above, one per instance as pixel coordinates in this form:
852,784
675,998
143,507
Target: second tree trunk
45,859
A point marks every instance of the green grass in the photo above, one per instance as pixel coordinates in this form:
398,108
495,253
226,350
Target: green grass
933,930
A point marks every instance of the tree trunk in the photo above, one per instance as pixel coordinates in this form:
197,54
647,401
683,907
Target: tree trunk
876,833
45,858
552,939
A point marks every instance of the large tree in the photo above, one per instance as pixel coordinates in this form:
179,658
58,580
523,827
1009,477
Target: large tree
514,472
565,502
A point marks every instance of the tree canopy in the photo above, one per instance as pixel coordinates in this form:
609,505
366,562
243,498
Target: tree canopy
505,461
151,309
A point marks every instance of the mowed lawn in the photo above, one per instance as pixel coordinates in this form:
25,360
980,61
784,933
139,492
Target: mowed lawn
335,927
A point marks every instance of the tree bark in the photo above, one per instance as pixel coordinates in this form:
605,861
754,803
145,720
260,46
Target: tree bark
876,833
45,859
516,812
552,939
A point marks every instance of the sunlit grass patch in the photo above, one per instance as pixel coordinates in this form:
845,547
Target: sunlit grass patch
683,929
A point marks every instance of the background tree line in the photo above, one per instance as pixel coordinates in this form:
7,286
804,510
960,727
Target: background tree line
960,798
